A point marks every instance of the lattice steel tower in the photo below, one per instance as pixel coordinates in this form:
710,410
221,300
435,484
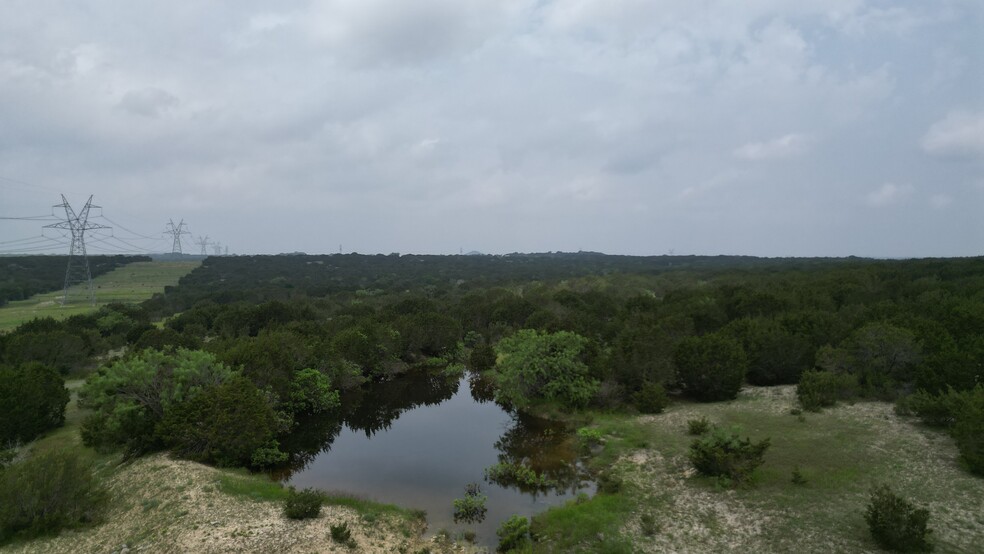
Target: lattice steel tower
78,261
203,242
176,231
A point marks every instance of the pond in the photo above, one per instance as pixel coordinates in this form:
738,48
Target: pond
418,440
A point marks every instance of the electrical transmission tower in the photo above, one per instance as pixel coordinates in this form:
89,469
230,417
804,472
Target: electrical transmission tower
203,242
176,231
217,248
78,261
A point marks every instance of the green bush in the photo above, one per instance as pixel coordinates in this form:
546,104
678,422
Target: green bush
534,365
514,533
342,534
482,357
969,430
470,508
49,492
820,389
698,426
711,367
936,410
32,400
506,474
895,523
224,424
311,393
651,399
129,398
723,453
305,504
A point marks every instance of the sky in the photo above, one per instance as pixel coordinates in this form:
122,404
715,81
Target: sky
644,127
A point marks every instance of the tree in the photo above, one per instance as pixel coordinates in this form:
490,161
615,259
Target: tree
32,400
223,424
130,397
711,367
535,365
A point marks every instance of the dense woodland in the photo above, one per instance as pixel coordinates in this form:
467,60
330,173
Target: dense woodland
24,276
250,346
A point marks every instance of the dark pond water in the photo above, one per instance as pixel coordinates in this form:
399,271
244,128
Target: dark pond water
418,440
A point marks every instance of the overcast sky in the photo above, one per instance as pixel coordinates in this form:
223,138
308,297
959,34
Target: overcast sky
762,127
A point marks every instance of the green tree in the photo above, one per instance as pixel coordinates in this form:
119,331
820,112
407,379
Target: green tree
711,367
32,400
533,365
311,393
223,424
130,397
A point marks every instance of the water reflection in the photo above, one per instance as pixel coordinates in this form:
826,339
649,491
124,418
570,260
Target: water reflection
418,440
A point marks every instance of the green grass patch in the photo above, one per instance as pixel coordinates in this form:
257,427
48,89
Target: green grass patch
584,526
255,487
369,509
131,283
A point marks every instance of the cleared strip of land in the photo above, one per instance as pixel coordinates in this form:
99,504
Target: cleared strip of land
132,283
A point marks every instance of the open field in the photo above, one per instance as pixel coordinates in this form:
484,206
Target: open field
132,283
841,452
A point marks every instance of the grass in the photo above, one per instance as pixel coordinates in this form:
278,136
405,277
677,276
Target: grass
841,453
588,526
259,487
128,284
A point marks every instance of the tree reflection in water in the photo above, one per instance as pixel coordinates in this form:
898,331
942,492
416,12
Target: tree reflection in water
546,447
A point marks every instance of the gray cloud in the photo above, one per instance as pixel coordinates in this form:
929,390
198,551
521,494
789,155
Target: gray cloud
627,125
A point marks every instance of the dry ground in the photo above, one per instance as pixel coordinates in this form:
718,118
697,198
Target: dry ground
165,505
842,452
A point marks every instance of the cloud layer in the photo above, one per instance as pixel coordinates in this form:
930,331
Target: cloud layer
626,126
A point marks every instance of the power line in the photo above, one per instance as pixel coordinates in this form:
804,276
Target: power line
115,224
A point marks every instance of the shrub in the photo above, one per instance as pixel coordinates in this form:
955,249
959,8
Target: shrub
224,424
651,399
533,365
711,367
482,357
590,436
797,477
130,397
32,401
305,504
936,410
505,474
819,389
342,534
47,493
698,426
311,393
895,523
471,508
969,430
723,453
514,533
609,482
648,525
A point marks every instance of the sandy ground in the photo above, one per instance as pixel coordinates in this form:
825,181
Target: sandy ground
691,518
165,505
